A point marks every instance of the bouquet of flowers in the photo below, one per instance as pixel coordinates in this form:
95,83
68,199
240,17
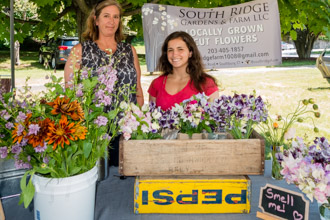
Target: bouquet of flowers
138,124
308,167
277,131
63,133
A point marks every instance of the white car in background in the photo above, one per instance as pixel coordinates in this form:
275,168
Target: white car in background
286,46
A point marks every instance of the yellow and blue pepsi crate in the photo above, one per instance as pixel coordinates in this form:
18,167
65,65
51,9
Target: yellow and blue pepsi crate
192,194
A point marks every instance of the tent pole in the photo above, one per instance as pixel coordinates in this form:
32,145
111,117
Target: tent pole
12,53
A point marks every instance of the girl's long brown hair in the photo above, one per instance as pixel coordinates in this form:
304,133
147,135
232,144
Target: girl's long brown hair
195,67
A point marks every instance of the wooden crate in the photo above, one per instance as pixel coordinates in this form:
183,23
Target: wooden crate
192,194
192,157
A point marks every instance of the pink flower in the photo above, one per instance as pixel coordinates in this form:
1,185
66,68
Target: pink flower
127,136
320,196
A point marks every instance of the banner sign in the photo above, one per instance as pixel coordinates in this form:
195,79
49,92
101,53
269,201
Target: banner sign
243,35
283,203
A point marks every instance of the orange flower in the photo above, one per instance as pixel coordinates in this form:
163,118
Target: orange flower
39,139
80,132
275,125
60,133
63,106
78,112
19,131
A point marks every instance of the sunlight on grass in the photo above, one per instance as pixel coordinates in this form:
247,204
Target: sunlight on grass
283,90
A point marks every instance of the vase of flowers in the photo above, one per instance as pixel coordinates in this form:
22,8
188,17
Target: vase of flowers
308,167
279,131
60,134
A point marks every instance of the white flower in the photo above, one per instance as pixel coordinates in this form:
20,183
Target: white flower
161,8
156,115
155,126
145,107
123,105
134,107
155,21
291,132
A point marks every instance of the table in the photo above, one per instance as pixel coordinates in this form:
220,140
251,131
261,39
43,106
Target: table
114,201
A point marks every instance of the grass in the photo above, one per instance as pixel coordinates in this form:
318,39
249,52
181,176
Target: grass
282,86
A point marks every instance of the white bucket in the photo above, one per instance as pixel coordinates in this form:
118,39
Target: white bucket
65,198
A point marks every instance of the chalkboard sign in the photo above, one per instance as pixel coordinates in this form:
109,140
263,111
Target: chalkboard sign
283,203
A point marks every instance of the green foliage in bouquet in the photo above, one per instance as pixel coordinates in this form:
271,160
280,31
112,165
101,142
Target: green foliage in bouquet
65,131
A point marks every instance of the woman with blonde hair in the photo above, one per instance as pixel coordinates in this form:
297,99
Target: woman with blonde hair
103,36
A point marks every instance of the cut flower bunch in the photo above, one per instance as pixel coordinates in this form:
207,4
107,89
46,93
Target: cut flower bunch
237,115
279,131
63,133
308,167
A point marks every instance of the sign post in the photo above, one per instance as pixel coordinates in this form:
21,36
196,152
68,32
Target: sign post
280,203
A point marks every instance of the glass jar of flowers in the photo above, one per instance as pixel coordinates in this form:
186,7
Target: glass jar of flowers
279,130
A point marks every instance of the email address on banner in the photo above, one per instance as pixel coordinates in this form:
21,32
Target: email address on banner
234,56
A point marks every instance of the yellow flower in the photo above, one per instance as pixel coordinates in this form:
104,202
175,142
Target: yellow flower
80,132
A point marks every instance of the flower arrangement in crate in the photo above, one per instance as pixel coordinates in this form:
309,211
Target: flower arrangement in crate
65,132
308,167
138,124
238,114
280,130
193,117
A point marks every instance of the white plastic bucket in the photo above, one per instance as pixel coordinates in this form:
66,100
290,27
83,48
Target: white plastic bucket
65,198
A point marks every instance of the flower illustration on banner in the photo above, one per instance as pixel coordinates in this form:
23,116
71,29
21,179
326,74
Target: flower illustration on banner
164,19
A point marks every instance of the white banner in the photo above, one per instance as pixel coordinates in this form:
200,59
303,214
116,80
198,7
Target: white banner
243,35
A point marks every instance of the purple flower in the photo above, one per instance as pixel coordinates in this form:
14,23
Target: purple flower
20,130
5,114
19,164
33,129
79,93
101,121
40,149
45,160
3,152
16,149
9,125
106,137
21,117
84,74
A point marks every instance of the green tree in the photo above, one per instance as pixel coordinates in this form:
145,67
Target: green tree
304,21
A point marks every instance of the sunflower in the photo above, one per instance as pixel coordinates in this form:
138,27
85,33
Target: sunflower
80,132
60,133
19,131
39,139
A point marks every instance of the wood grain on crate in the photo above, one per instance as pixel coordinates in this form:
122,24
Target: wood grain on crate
192,157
